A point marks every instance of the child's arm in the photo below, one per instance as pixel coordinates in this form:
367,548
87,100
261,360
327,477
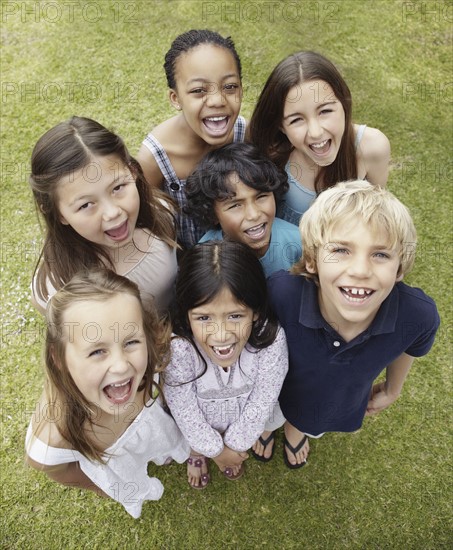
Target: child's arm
68,474
385,393
180,391
272,369
375,152
229,458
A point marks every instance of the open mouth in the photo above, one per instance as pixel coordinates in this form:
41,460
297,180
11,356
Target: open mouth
257,232
118,233
356,294
216,125
224,352
120,392
322,147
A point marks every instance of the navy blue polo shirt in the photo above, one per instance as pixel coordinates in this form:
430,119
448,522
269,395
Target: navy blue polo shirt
329,380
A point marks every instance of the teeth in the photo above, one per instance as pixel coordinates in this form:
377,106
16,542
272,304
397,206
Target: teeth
215,118
319,145
359,291
222,348
120,385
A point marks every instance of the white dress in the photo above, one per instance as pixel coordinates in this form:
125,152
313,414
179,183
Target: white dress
238,403
152,437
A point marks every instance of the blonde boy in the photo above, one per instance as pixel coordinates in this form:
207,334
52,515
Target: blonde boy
347,315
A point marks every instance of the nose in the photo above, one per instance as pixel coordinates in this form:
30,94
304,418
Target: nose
119,362
110,211
314,128
219,333
360,267
251,211
215,96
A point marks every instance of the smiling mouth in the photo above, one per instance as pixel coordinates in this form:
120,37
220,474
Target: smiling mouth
322,147
118,233
224,352
257,232
118,393
356,294
216,124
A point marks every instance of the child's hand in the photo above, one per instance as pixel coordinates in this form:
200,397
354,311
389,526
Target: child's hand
230,459
380,399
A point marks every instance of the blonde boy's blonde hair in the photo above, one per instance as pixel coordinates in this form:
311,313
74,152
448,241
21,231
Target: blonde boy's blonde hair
356,201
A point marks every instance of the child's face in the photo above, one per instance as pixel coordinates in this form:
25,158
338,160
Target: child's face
222,327
247,216
209,92
100,202
314,121
106,351
357,271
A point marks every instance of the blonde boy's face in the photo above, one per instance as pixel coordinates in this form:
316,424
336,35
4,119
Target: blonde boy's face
357,271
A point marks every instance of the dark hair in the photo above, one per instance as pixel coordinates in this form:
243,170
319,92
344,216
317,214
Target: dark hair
264,128
206,269
67,405
211,180
62,150
191,39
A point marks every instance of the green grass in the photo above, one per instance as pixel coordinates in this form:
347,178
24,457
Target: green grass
387,486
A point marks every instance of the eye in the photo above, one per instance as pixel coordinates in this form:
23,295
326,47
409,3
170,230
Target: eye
132,342
96,353
339,250
263,196
231,87
326,111
119,187
295,120
234,205
202,318
198,91
382,255
84,206
236,316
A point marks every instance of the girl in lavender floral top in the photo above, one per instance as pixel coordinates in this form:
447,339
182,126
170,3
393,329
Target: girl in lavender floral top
228,360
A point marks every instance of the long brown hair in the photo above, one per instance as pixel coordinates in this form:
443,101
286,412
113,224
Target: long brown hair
264,128
67,406
62,150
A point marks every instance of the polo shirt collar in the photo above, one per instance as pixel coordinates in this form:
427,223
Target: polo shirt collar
310,315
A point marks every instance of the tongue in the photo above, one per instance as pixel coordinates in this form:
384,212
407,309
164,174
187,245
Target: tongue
216,125
117,392
115,233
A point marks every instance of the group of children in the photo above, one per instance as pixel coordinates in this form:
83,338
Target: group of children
222,285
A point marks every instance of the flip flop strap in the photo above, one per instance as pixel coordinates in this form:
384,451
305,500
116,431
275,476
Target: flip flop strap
265,442
295,450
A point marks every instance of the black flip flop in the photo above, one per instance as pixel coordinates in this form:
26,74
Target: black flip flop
294,450
264,443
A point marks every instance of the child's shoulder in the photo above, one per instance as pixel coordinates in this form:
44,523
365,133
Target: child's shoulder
415,299
44,424
166,131
373,143
284,283
285,228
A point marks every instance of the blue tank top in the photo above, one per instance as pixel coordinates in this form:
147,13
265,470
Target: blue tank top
298,198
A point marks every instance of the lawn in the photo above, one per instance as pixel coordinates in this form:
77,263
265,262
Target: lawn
387,486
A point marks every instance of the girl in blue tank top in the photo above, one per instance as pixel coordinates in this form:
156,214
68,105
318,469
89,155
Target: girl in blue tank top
302,121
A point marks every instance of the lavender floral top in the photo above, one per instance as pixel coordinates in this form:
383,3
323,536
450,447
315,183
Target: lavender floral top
224,407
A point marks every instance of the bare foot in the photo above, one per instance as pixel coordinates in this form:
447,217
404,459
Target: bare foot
294,438
264,451
197,471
